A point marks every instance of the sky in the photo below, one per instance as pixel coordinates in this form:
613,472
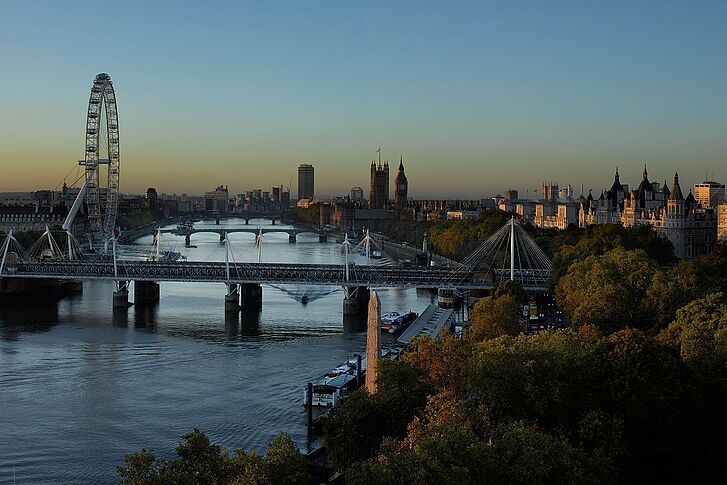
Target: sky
476,96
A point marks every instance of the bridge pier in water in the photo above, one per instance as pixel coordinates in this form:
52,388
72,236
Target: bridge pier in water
232,299
120,297
292,238
322,237
187,240
355,301
146,292
252,296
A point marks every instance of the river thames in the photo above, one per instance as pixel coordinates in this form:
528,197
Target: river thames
81,386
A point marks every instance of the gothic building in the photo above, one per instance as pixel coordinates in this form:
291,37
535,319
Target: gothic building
379,193
401,188
691,228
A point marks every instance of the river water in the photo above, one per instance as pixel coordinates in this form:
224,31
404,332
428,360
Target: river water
81,385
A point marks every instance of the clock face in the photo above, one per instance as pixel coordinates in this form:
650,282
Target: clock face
402,186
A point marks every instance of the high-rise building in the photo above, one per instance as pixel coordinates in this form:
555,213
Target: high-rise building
276,194
357,194
285,199
722,221
709,194
151,198
217,199
306,187
379,191
401,188
549,192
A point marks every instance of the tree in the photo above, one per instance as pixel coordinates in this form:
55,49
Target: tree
608,290
700,333
283,463
494,317
355,429
513,289
674,287
599,239
200,462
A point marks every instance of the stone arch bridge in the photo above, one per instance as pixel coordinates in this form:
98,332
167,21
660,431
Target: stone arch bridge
291,232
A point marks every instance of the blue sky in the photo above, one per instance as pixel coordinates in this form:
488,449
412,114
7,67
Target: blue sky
477,96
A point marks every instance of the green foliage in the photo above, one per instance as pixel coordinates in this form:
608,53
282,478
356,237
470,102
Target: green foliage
608,290
403,230
459,237
200,462
513,289
310,215
494,317
569,247
700,333
138,219
674,287
355,429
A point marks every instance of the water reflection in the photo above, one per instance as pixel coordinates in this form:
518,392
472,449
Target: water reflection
77,374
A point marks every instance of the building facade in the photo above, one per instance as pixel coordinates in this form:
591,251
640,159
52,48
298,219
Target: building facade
306,181
401,188
709,194
722,221
379,190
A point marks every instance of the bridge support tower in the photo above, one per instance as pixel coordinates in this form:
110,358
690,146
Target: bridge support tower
356,300
121,295
146,292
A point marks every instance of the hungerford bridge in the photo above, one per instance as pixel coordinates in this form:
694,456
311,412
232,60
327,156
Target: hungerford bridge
510,253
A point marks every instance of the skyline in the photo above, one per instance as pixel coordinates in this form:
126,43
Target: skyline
477,98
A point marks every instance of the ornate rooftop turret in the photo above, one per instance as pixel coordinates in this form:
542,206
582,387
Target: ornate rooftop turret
676,190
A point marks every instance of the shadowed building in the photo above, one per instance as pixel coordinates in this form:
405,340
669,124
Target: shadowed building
401,188
306,186
379,193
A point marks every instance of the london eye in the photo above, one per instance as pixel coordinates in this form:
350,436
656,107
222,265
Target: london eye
102,160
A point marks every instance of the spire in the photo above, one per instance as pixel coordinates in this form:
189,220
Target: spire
401,163
616,178
645,175
676,190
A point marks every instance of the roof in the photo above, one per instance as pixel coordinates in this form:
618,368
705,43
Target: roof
676,190
429,323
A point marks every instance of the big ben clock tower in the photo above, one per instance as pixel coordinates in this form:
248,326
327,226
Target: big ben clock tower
401,187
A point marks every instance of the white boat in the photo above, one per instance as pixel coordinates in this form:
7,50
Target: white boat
388,320
330,388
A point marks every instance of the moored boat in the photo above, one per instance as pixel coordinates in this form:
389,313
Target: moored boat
331,387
